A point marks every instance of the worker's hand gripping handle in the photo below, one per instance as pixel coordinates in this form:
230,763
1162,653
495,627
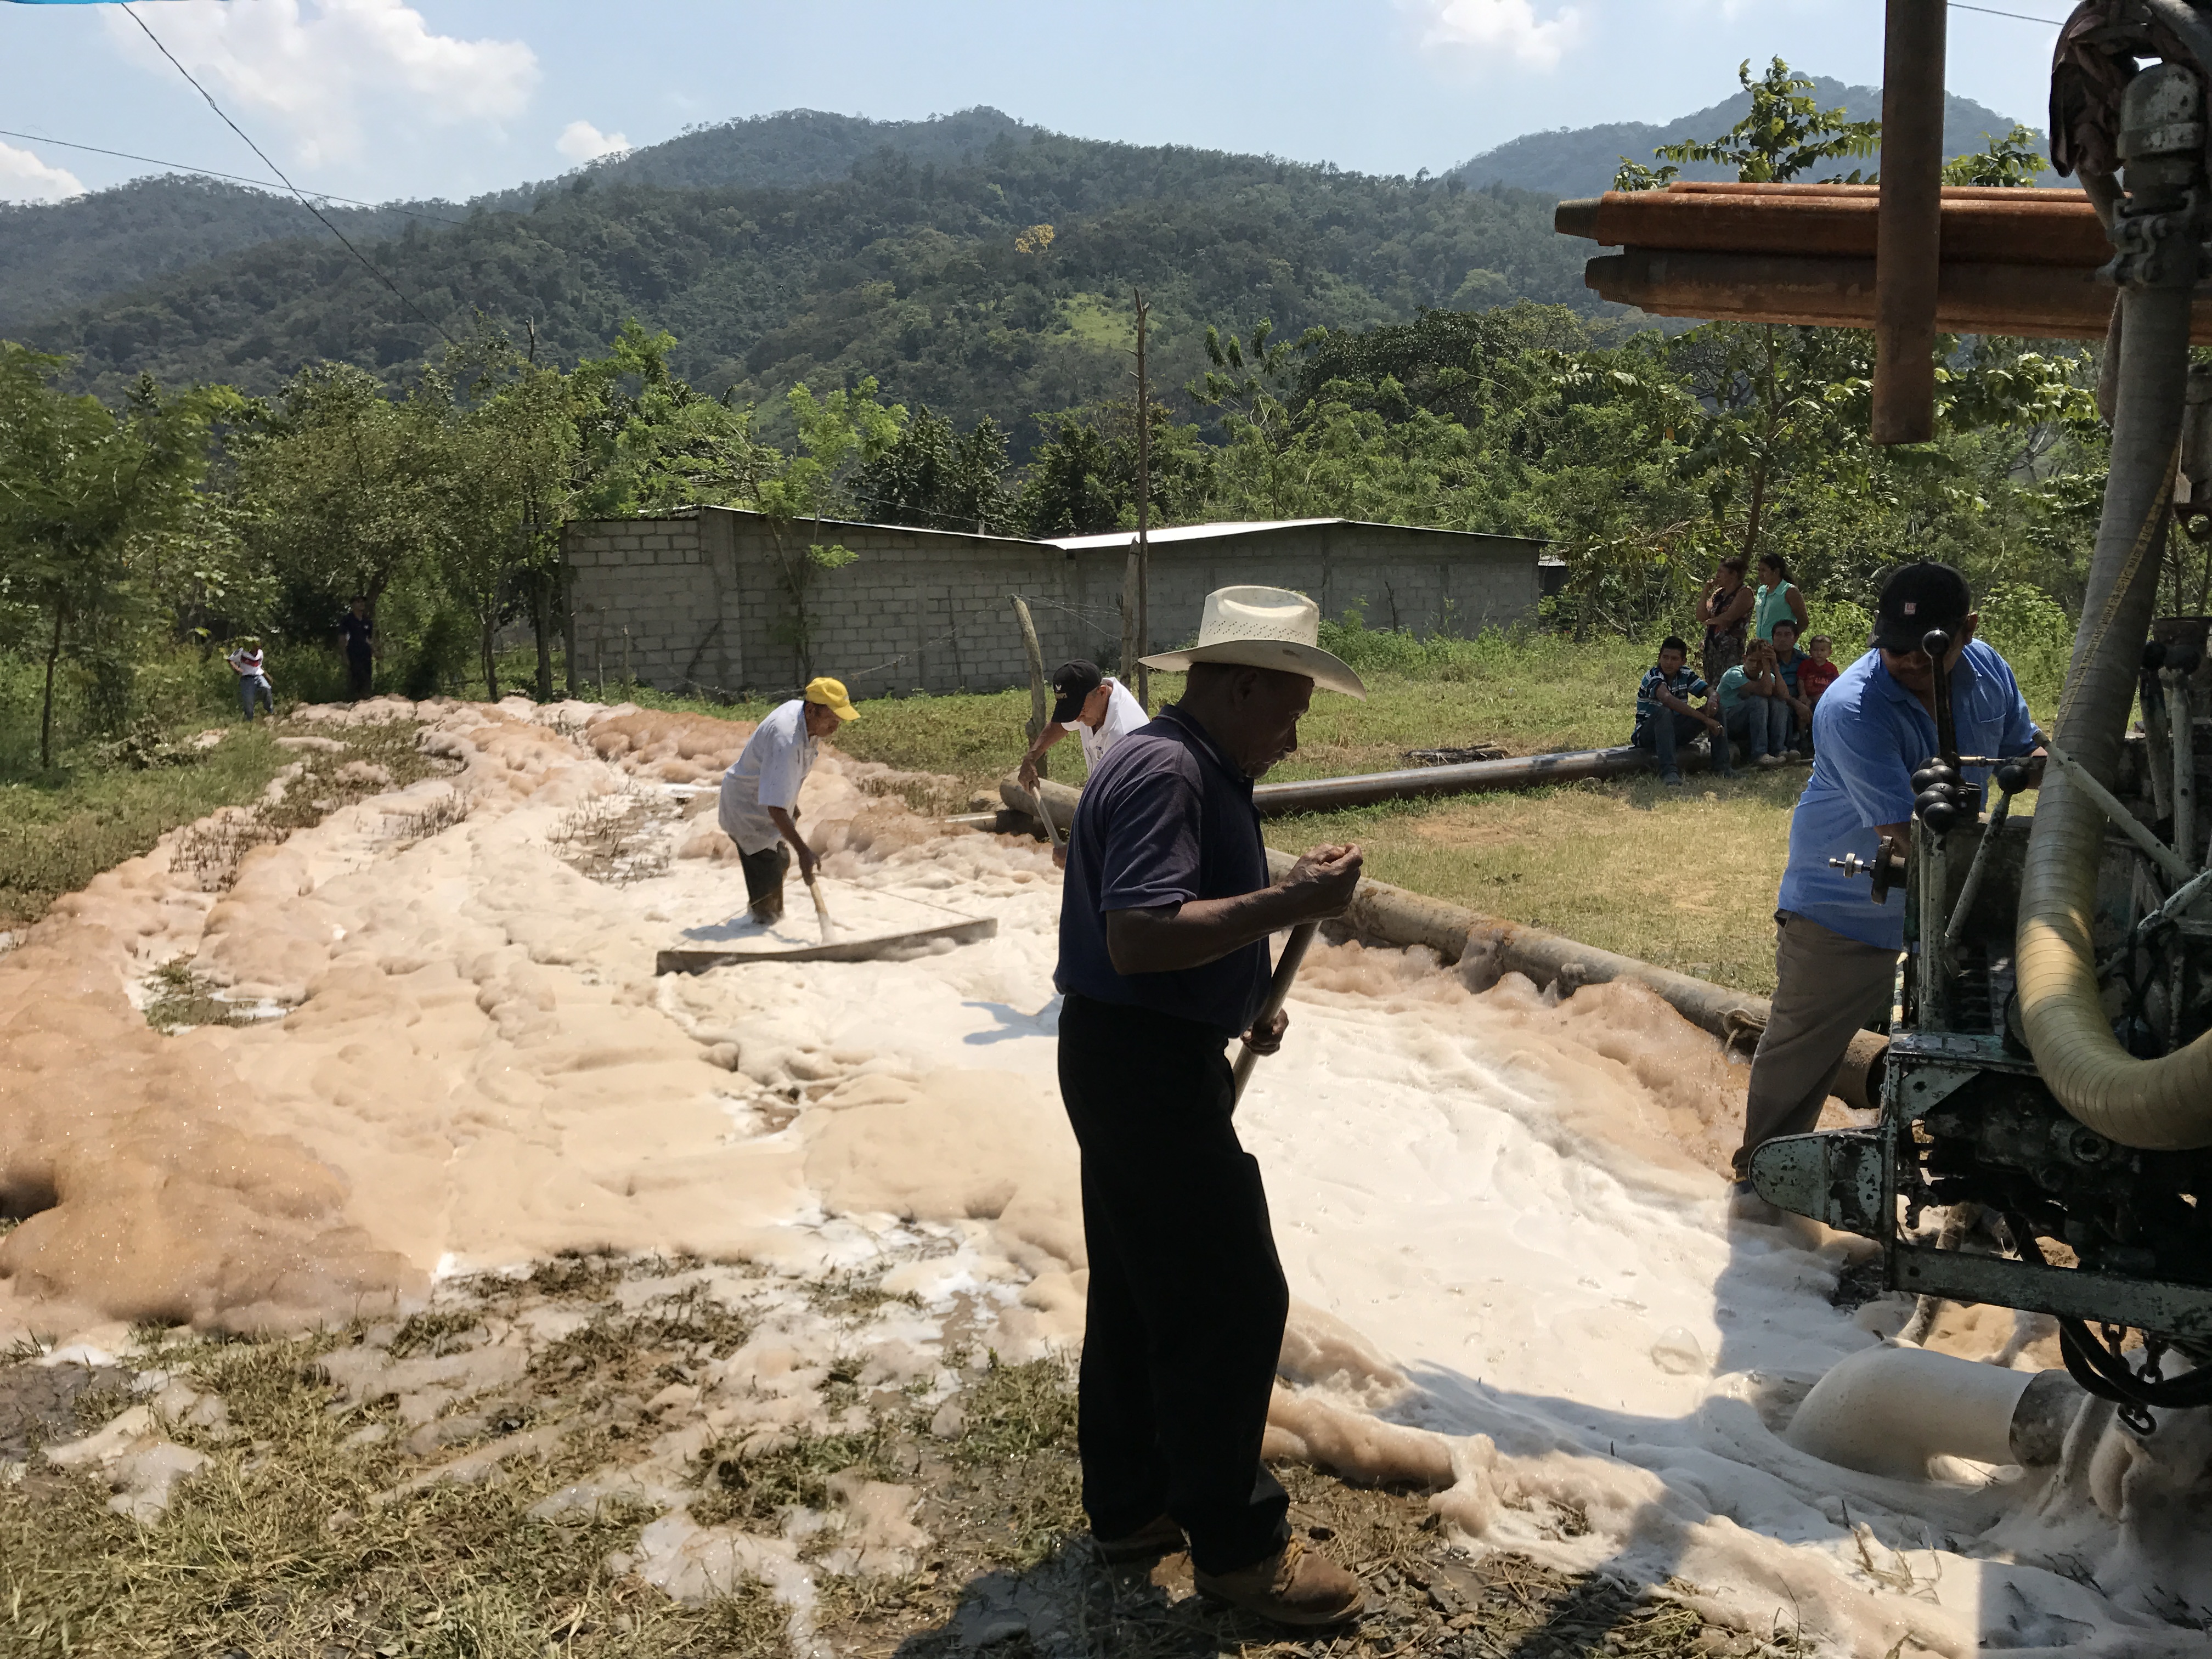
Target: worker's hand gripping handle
1279,988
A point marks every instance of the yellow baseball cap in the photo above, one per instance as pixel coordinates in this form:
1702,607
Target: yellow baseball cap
830,694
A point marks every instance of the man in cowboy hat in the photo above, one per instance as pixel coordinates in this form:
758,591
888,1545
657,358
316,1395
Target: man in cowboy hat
1164,926
759,804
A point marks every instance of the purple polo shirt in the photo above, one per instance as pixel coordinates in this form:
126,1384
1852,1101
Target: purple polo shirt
1163,820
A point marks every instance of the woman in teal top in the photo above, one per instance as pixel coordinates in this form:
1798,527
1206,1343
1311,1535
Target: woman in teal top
1778,597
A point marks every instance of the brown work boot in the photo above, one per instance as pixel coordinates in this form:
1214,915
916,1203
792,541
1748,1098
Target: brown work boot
1156,1537
1291,1587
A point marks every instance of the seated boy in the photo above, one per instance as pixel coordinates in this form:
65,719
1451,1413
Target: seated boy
1664,719
1754,705
1789,661
1816,674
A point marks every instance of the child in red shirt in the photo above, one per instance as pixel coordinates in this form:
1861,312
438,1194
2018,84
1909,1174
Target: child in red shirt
1816,674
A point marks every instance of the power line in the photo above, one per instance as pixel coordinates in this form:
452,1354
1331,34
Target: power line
211,172
1991,11
279,172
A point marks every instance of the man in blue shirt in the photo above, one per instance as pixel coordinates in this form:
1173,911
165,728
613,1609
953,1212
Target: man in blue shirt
1164,918
1835,958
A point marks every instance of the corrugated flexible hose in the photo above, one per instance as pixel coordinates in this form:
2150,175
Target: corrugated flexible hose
2164,1103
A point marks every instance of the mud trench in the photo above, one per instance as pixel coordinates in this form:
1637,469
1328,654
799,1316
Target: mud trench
415,1271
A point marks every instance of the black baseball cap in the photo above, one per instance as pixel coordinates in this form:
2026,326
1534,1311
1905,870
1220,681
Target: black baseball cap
1916,598
1072,682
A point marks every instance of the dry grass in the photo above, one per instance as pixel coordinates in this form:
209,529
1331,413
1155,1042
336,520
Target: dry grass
614,838
177,998
375,758
308,1536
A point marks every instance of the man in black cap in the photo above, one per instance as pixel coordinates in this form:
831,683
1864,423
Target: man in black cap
1835,958
1096,705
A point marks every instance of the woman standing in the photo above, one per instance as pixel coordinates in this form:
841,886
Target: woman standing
1725,609
1778,598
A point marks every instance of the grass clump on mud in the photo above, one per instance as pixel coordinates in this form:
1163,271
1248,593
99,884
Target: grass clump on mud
289,1544
177,998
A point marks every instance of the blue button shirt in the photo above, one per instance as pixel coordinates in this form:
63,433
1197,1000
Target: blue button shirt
1869,735
1163,820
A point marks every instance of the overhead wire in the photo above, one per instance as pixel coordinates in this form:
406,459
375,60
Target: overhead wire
367,263
1991,11
234,178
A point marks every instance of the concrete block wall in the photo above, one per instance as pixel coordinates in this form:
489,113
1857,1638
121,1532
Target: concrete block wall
704,598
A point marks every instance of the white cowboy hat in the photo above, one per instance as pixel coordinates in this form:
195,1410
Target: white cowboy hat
1263,628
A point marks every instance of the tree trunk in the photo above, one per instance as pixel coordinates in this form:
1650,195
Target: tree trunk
1758,501
490,668
542,607
46,708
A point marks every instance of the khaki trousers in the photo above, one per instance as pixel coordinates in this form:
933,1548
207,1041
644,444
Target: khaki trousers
1827,987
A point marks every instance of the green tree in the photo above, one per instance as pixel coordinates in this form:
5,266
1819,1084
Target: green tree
2011,162
934,478
510,439
1785,132
84,492
1083,478
839,436
345,488
646,443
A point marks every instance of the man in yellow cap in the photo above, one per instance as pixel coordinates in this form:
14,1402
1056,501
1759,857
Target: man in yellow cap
760,793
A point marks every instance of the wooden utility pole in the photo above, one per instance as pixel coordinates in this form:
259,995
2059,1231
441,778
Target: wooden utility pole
1908,223
1039,708
1144,553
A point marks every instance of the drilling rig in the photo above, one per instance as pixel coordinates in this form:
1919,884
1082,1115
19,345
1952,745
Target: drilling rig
2049,1061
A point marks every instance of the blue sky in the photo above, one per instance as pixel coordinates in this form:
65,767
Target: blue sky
378,99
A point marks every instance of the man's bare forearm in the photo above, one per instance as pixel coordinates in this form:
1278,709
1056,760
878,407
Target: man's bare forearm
1200,931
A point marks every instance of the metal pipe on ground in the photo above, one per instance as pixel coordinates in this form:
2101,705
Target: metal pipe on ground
1411,783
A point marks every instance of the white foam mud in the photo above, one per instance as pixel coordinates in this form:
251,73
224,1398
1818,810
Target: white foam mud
1501,1214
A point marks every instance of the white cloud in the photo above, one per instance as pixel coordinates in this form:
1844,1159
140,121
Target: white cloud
581,142
312,67
1505,31
25,177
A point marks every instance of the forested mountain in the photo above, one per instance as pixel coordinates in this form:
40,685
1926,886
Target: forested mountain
1580,161
56,256
998,286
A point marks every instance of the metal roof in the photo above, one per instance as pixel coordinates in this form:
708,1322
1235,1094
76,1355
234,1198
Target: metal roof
1200,533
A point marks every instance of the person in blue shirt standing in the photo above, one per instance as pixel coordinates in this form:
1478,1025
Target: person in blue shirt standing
1835,955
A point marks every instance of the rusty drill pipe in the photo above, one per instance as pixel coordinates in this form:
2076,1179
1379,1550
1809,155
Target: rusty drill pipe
1825,221
2042,302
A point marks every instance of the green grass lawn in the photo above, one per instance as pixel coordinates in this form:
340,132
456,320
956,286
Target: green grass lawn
62,825
1685,877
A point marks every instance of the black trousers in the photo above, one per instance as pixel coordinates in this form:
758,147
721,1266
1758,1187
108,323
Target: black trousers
764,874
359,666
1188,1299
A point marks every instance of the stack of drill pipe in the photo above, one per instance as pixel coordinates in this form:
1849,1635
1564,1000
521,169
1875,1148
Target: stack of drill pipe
2014,261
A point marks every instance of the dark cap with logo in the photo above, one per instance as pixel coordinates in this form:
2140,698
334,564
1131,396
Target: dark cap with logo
1072,681
1916,598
